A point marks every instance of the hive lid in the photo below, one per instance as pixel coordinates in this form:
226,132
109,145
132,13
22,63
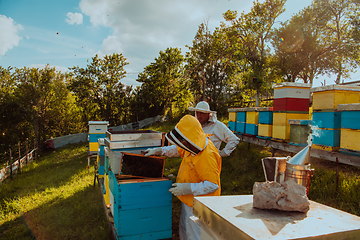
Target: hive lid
291,84
302,157
98,122
336,87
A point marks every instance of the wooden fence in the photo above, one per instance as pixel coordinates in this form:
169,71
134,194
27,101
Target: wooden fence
15,166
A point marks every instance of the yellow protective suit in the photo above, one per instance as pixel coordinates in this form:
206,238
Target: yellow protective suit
204,166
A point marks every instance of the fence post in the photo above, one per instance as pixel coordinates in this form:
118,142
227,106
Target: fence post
34,156
10,163
27,152
19,167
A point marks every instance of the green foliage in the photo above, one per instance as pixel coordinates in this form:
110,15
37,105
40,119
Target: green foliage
99,90
164,89
251,31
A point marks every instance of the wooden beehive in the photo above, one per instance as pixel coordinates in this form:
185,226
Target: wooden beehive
140,200
329,97
350,128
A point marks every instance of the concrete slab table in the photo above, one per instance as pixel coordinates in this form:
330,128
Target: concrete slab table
233,217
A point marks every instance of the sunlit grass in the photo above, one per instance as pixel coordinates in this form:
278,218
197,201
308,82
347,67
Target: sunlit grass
54,194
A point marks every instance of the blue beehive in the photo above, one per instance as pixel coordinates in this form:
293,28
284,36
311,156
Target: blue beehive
251,129
265,117
330,119
140,198
232,126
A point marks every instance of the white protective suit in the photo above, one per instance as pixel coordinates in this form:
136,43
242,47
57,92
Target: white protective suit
219,133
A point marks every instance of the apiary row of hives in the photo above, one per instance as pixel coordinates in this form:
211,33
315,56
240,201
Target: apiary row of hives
134,188
331,123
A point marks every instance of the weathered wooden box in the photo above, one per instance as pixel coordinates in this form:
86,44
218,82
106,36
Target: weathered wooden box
282,118
241,115
281,132
265,131
300,132
329,97
266,115
98,126
252,117
291,104
291,97
140,200
240,127
327,119
251,129
326,137
232,126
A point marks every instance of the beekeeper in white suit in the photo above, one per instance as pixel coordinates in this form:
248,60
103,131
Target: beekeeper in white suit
199,172
218,130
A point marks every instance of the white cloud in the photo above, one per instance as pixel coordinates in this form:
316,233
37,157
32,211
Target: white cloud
9,36
141,29
74,18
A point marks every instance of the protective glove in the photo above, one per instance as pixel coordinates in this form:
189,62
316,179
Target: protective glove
222,153
153,151
180,189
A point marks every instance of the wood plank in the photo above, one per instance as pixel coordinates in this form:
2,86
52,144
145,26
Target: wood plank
326,155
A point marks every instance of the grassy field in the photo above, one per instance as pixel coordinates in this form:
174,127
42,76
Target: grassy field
54,197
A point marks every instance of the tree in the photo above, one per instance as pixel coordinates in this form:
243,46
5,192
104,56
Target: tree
339,32
212,66
252,30
300,50
164,89
99,90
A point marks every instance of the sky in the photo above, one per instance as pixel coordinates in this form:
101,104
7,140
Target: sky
67,33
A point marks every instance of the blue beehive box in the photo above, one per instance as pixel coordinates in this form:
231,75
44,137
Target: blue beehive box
326,137
324,119
265,116
240,127
140,197
350,120
251,129
232,126
241,116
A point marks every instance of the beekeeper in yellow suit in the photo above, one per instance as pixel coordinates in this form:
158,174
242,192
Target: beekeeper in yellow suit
199,172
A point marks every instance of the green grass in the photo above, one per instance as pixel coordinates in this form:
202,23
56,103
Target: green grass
54,197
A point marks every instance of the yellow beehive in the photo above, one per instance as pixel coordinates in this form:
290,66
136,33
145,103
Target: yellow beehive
106,184
232,116
350,139
265,130
252,117
282,118
281,132
93,146
329,97
325,148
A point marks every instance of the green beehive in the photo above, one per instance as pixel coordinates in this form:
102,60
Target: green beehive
300,131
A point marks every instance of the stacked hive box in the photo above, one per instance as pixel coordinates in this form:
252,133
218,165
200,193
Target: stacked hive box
241,120
265,122
350,128
326,117
252,121
232,119
300,131
140,202
101,162
291,101
97,129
